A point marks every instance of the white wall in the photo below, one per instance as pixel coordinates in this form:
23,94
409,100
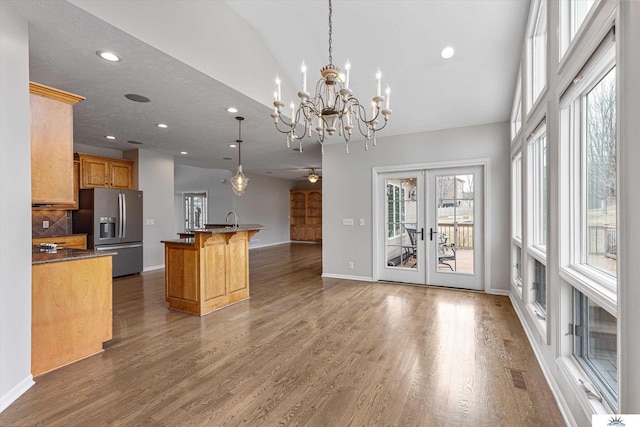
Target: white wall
155,175
219,194
97,151
265,202
15,208
347,192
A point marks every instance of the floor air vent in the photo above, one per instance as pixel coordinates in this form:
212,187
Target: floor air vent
517,377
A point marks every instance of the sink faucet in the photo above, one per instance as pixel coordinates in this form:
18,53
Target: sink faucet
235,219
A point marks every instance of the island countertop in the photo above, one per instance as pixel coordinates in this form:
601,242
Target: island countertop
215,229
39,256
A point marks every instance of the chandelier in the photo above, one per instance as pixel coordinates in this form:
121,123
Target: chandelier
239,181
333,108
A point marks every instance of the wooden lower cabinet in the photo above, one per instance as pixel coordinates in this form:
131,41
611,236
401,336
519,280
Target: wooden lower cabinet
75,241
311,233
71,315
208,274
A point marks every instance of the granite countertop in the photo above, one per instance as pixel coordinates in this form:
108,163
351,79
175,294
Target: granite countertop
216,229
39,256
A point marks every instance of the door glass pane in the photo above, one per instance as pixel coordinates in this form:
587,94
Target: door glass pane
195,210
455,216
401,222
601,176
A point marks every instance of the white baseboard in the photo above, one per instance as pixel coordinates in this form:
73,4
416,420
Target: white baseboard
153,267
269,244
345,277
499,292
553,385
16,392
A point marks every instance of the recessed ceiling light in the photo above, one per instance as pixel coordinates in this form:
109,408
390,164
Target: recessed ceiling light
447,52
108,56
232,110
110,137
232,145
162,125
183,152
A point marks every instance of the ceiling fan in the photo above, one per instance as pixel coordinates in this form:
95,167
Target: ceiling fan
313,177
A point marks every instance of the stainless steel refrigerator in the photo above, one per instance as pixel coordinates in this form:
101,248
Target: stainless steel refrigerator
112,220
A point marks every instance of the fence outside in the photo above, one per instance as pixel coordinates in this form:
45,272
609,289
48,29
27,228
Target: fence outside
461,234
602,240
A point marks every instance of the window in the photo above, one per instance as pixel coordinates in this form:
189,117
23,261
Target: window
516,112
595,346
395,209
572,15
195,210
516,221
588,238
516,274
537,173
516,196
537,54
540,288
599,182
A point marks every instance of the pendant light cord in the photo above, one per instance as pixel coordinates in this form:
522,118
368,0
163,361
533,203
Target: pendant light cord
330,31
239,140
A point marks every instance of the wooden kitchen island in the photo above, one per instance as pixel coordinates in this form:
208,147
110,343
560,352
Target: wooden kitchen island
209,270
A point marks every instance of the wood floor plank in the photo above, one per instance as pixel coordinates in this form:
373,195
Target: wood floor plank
302,350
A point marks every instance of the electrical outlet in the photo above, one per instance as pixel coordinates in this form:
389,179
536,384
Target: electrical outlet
350,265
361,221
45,224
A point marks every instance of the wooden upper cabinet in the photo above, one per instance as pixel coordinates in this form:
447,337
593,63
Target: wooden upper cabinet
105,172
51,144
121,175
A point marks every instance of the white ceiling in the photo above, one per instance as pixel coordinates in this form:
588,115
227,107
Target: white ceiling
403,38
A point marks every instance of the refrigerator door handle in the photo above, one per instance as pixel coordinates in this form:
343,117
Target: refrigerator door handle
124,215
116,247
120,213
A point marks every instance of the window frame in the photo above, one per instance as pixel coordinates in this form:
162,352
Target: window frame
580,323
537,170
516,109
572,134
537,49
598,288
569,28
398,214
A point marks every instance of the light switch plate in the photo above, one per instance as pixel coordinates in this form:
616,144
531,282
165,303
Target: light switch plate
347,221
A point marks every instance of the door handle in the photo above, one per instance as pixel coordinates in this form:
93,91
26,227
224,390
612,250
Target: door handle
431,233
422,234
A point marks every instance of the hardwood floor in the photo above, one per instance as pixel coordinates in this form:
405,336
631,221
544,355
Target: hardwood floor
302,351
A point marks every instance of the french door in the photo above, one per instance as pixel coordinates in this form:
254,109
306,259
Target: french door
433,229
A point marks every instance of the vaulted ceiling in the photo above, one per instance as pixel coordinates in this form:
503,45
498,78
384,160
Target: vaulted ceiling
194,59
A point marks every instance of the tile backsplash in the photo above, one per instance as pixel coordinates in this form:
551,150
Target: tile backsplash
59,223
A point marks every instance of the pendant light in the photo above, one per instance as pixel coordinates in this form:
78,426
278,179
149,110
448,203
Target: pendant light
239,182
